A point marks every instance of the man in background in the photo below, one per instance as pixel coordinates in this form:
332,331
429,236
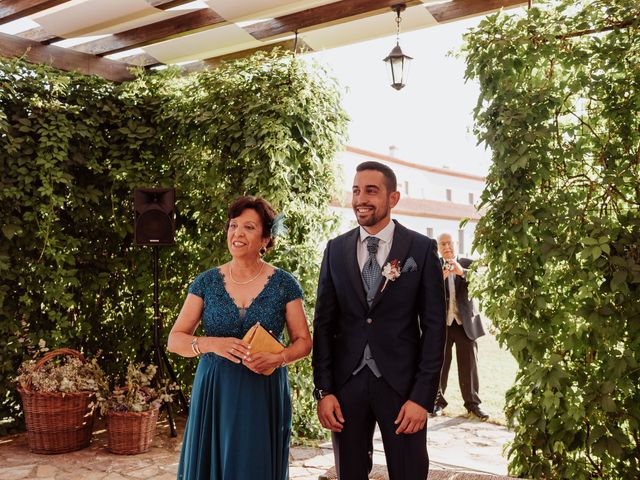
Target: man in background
463,328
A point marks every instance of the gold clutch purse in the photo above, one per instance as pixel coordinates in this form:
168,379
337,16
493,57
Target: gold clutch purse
261,340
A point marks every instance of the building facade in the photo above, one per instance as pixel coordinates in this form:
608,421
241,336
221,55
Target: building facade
432,200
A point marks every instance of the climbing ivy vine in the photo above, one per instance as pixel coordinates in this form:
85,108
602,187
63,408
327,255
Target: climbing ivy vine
559,107
73,148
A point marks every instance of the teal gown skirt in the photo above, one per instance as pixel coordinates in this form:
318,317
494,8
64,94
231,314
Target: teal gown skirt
239,424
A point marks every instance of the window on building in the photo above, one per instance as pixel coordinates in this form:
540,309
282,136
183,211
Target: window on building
471,199
461,247
449,195
430,232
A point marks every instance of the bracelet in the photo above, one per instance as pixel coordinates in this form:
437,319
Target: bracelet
194,346
284,360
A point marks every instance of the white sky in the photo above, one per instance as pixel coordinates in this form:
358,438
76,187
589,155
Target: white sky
430,119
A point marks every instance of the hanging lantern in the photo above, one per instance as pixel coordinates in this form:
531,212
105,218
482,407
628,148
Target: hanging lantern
397,62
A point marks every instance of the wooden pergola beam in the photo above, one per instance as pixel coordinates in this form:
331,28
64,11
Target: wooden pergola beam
141,60
163,30
145,60
167,4
298,46
64,59
11,10
87,57
457,9
39,34
346,9
312,17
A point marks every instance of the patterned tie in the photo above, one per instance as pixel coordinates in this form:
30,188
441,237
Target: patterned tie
371,272
371,276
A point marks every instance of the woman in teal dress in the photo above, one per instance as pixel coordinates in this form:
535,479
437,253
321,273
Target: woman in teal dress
239,422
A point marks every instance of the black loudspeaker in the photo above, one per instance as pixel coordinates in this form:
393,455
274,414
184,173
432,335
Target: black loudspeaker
155,219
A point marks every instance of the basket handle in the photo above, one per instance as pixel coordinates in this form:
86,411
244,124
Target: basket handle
60,351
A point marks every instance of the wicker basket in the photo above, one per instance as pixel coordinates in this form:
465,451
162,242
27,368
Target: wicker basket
131,432
57,422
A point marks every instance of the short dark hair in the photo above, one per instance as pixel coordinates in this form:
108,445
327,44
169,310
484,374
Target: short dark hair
389,177
258,204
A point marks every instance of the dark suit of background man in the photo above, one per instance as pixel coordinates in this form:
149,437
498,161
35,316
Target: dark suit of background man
463,328
378,349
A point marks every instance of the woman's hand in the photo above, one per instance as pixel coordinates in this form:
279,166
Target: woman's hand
263,361
230,348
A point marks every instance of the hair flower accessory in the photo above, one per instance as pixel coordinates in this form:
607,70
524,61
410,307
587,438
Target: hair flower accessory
390,271
278,228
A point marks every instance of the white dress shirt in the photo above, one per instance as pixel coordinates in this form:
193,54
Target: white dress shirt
384,245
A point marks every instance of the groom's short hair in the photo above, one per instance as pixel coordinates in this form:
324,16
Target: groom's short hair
389,177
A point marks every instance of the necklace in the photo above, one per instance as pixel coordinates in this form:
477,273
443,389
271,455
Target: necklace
248,281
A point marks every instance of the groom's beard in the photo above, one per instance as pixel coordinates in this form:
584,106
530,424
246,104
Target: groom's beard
377,215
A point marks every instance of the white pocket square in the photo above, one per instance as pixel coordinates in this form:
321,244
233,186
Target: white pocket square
410,265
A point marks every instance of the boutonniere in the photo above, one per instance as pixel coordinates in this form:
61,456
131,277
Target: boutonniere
390,271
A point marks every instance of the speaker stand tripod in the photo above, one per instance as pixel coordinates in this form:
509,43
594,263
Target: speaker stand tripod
160,354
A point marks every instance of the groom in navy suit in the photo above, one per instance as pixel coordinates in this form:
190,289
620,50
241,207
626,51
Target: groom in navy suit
379,332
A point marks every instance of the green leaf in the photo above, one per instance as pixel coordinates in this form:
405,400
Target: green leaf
9,230
607,387
613,447
600,447
618,261
546,247
619,277
607,403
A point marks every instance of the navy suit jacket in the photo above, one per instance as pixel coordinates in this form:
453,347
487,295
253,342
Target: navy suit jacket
404,327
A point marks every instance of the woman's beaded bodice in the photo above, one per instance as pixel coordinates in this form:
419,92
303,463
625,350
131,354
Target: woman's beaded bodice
221,317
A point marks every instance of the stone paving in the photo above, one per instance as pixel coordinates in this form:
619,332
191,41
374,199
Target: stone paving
456,444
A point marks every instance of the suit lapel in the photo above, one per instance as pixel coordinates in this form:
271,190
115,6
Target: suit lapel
399,251
353,269
457,280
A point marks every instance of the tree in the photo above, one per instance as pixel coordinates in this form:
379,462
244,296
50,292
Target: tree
559,107
73,148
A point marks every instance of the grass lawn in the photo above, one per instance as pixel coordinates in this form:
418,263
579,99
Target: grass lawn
497,374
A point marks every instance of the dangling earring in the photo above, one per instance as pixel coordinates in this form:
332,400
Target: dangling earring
263,250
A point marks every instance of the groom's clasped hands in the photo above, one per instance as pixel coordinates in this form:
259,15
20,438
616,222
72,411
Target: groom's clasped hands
411,418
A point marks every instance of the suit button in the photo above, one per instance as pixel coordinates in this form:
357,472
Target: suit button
369,320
